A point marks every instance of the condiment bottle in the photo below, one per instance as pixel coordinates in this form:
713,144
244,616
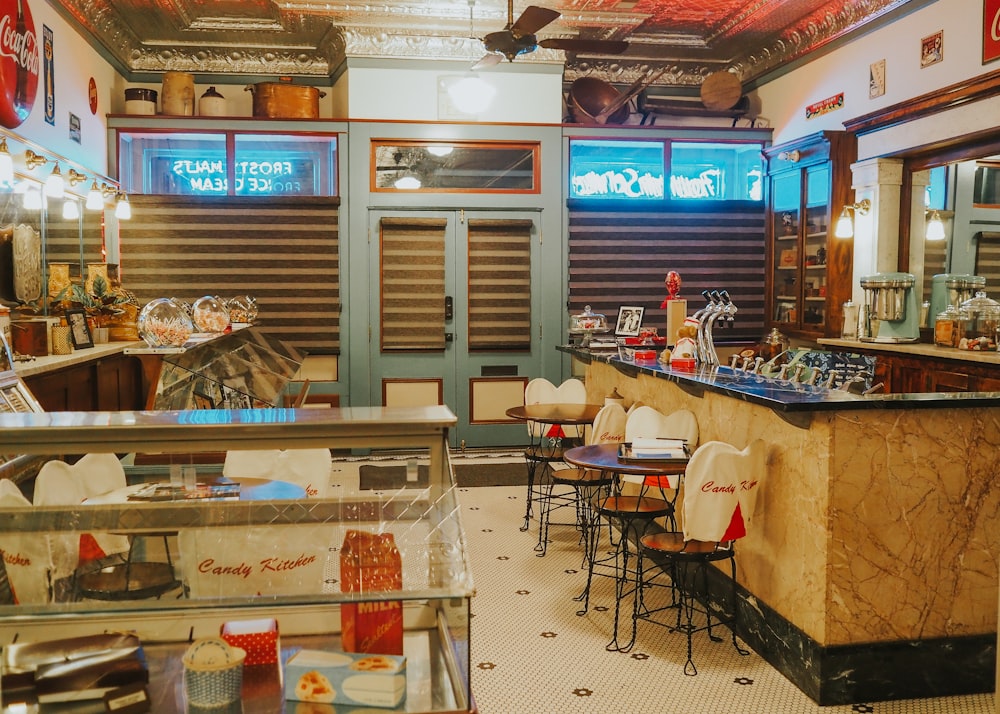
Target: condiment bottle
370,562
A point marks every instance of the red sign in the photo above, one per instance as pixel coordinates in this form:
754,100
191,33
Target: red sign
19,62
825,106
991,30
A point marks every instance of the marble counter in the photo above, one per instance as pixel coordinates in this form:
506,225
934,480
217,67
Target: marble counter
872,572
48,363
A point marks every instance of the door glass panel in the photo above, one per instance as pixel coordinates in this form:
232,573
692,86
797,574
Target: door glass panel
785,230
499,285
413,284
814,276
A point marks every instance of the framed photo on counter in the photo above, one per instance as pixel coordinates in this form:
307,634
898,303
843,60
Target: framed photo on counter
629,321
79,330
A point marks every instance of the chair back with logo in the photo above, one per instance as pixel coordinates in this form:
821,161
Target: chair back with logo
647,422
26,560
720,490
609,425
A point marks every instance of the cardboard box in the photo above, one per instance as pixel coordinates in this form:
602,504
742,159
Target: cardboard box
327,677
258,638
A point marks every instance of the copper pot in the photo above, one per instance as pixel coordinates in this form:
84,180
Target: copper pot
589,96
281,100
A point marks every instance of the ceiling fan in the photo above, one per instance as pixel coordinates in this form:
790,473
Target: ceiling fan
518,38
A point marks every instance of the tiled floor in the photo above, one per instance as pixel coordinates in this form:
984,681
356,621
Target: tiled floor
531,654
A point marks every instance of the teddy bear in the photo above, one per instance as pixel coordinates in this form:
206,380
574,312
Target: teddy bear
686,346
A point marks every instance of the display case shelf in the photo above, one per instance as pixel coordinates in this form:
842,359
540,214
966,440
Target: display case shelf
425,522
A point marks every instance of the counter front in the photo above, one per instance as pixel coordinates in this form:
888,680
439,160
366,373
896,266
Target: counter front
872,570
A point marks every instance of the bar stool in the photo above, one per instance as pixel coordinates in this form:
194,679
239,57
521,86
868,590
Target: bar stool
713,520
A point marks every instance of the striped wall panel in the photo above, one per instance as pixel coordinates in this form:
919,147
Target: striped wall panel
413,282
987,260
500,285
283,251
620,256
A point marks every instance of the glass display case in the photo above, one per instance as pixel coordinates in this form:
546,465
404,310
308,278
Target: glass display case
245,368
809,270
262,547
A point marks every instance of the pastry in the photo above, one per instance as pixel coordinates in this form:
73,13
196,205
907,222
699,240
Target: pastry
314,687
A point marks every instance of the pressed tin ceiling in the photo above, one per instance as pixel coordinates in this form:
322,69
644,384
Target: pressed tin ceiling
311,39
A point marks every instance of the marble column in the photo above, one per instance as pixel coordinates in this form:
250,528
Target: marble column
876,234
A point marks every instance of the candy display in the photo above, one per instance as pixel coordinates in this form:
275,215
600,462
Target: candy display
210,315
163,323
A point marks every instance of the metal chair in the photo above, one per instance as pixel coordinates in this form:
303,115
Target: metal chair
548,442
584,484
713,520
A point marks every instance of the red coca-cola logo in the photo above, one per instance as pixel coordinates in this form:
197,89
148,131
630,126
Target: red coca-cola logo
19,62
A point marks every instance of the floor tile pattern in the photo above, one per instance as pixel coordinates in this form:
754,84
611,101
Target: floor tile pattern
531,653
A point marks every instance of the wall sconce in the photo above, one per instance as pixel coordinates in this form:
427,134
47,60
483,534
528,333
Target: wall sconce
71,209
845,224
33,160
6,164
935,226
123,209
55,185
95,198
74,177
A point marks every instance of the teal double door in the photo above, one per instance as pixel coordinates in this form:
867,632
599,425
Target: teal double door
455,318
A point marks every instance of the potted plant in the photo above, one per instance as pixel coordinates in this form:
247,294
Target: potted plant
102,304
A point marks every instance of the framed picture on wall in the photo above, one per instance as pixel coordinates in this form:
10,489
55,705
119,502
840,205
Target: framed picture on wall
79,330
629,320
932,49
991,30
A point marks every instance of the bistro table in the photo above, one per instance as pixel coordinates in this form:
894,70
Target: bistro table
631,513
547,446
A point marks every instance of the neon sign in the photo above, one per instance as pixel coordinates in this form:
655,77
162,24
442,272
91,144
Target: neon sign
707,184
208,176
623,183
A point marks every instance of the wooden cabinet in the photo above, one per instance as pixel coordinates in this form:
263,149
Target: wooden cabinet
809,270
112,383
902,373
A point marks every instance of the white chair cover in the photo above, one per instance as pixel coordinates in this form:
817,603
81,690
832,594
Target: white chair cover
539,391
647,422
62,484
308,468
720,490
609,425
26,556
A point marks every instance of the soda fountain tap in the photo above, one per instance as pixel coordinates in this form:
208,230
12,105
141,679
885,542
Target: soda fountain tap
831,378
758,362
733,361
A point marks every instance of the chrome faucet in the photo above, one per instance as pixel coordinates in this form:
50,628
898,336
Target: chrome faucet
719,307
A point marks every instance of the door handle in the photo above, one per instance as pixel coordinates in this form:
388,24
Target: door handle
449,307
449,337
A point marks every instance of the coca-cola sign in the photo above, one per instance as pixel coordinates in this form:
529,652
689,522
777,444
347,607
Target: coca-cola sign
19,62
991,30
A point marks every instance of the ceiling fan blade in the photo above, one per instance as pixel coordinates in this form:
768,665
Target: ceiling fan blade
490,60
603,47
533,19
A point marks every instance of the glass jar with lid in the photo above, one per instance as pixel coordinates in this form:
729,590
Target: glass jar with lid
949,326
587,323
981,324
164,323
210,315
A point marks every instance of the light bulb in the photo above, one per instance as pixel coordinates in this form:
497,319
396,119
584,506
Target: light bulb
32,199
55,186
95,198
935,227
123,209
845,226
71,209
6,164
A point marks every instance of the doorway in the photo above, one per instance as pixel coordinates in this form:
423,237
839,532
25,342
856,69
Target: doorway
454,318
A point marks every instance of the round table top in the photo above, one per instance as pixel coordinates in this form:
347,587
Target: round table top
604,457
555,413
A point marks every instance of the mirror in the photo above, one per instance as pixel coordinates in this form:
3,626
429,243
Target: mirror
964,185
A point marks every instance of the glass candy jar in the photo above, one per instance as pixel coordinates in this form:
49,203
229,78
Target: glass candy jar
210,315
242,309
981,324
586,324
164,323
